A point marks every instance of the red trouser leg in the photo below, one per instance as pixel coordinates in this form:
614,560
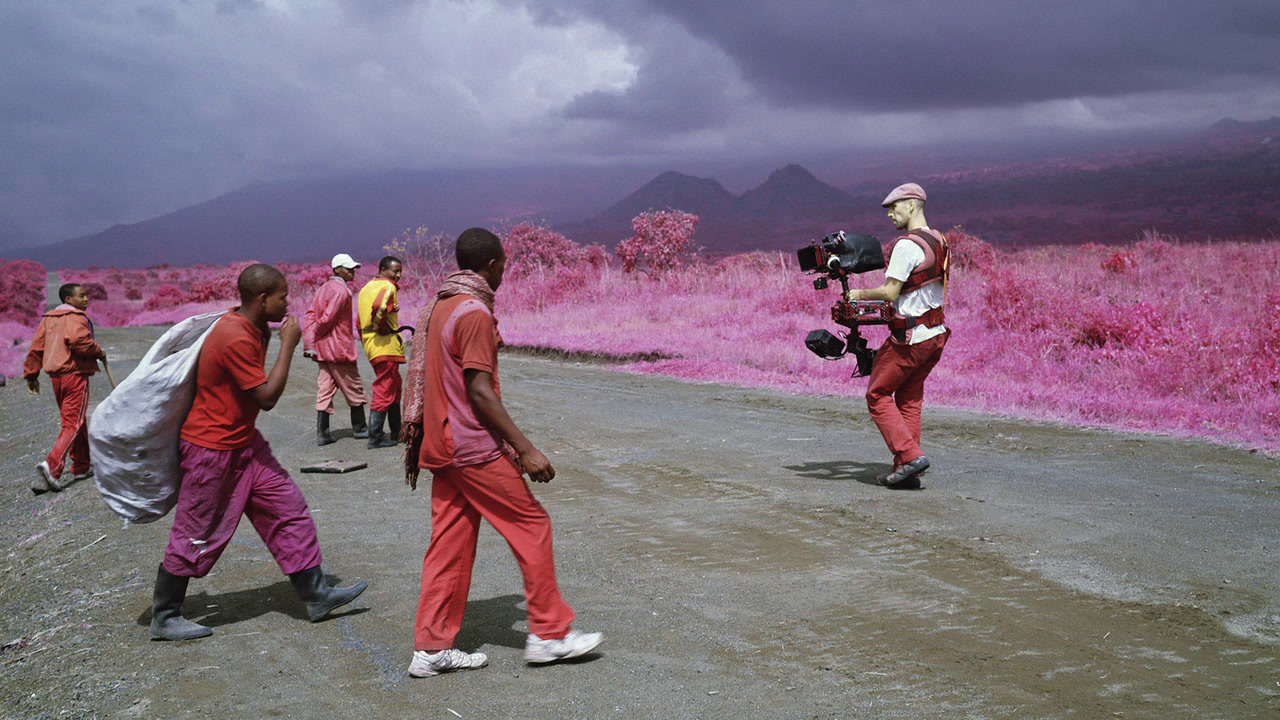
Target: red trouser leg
459,498
386,384
326,388
71,391
895,393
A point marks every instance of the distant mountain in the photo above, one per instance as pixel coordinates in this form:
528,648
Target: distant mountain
792,190
1223,182
313,219
701,196
789,196
1232,128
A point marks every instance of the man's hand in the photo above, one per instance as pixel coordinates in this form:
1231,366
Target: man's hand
290,332
33,386
536,465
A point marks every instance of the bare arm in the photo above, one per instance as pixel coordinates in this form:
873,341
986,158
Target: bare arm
490,410
888,291
268,393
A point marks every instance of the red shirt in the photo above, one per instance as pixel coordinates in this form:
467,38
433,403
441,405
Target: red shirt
461,335
223,414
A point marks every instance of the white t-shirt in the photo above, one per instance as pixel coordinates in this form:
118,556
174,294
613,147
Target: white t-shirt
906,257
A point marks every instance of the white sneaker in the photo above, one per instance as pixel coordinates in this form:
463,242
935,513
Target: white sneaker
537,650
44,481
426,664
83,476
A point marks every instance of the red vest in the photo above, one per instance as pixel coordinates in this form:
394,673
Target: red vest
935,268
937,259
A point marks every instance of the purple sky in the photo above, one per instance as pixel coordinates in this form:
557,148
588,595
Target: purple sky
117,110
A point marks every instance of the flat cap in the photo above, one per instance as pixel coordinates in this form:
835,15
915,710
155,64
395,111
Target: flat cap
906,191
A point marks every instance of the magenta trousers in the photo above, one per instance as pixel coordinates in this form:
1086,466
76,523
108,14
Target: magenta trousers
895,393
218,486
460,497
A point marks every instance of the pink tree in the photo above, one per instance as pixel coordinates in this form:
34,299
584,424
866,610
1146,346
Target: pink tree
533,247
661,241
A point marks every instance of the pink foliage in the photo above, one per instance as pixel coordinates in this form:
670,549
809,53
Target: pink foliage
534,248
1046,333
218,284
95,291
661,241
1120,261
22,291
165,296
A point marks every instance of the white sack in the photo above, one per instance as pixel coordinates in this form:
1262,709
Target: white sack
134,432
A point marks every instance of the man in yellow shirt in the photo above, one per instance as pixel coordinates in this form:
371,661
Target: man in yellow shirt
379,321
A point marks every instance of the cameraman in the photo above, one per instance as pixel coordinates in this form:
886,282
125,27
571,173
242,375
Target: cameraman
915,281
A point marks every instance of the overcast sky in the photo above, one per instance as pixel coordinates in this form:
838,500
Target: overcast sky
118,110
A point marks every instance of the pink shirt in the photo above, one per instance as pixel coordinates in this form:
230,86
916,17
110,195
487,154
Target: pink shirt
461,335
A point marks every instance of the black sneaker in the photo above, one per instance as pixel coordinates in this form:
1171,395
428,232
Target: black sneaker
906,477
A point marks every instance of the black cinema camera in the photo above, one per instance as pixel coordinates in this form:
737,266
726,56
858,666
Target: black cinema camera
836,257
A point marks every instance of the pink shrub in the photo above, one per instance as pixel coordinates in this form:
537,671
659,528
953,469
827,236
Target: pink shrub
1120,262
165,296
218,283
969,251
661,241
95,291
537,248
22,291
133,293
15,340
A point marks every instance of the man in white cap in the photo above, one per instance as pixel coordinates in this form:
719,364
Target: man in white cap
329,338
915,282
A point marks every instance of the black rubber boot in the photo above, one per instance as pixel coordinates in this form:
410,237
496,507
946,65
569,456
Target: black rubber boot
378,439
359,429
167,622
321,597
393,423
322,429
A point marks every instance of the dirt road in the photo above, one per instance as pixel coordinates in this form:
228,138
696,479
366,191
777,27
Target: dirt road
730,543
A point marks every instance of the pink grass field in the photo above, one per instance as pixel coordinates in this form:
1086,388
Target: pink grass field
1161,336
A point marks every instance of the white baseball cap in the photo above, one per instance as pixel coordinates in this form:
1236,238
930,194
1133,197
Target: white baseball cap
343,260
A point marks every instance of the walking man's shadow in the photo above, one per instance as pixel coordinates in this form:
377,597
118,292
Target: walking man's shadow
865,473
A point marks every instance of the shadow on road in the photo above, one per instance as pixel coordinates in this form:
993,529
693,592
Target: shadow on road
841,470
492,621
241,605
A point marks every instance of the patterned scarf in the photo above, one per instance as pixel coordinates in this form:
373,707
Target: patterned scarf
462,282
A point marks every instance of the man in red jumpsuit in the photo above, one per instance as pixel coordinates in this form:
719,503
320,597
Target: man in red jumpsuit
457,427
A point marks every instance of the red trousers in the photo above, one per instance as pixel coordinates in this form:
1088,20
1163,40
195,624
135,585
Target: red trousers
218,486
71,391
460,497
895,392
386,383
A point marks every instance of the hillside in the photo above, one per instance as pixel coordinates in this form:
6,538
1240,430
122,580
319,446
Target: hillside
1223,182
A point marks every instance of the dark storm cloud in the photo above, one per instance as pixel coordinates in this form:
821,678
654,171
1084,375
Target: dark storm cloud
116,110
926,55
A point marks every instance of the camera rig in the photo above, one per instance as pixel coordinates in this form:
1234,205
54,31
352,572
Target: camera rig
836,257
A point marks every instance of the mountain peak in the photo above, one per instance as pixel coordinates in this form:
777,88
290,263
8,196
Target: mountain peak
792,189
702,196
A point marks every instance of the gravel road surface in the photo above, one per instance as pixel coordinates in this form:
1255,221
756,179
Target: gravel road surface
730,543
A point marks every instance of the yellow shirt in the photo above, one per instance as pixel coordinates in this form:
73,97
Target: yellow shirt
379,318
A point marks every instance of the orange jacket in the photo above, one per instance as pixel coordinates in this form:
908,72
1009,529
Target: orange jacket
63,344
